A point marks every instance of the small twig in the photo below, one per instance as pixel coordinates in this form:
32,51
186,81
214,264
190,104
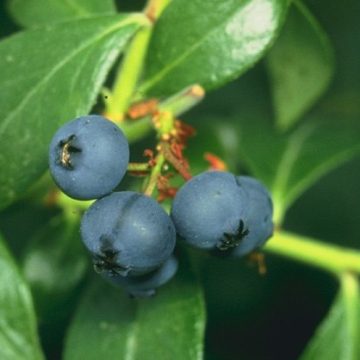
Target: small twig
155,173
180,166
139,167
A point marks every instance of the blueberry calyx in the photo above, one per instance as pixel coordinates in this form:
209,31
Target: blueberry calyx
229,241
106,260
67,148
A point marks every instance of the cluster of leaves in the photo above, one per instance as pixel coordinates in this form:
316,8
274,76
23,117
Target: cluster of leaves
54,71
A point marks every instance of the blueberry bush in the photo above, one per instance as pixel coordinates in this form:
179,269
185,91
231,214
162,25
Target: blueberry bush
179,179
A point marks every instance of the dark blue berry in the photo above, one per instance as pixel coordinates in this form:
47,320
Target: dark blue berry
88,157
259,216
209,211
127,233
146,285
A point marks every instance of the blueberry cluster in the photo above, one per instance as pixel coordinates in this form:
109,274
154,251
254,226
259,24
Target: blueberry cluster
129,235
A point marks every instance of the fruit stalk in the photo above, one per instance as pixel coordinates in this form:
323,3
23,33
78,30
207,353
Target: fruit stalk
184,100
156,171
177,105
128,76
138,167
131,68
328,257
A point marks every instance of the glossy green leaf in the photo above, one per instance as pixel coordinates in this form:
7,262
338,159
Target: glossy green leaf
300,66
110,325
40,90
209,42
18,336
291,163
338,335
54,264
29,13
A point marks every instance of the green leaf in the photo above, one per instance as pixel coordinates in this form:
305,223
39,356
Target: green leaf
342,25
291,163
18,336
29,13
110,325
54,264
338,335
300,66
49,76
209,43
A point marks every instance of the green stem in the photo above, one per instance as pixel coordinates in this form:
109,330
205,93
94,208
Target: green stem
329,257
155,172
164,123
184,100
131,68
128,75
138,167
279,209
350,297
176,105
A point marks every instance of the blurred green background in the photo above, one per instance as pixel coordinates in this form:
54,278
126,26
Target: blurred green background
252,316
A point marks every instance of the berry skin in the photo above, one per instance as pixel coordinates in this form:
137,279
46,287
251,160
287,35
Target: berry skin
259,216
146,285
209,211
127,233
88,157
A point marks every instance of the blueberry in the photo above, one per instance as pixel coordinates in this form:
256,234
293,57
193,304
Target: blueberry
209,211
127,233
259,216
146,285
88,157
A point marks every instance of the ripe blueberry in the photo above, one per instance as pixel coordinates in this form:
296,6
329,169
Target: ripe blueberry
259,216
88,157
209,211
146,285
127,233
